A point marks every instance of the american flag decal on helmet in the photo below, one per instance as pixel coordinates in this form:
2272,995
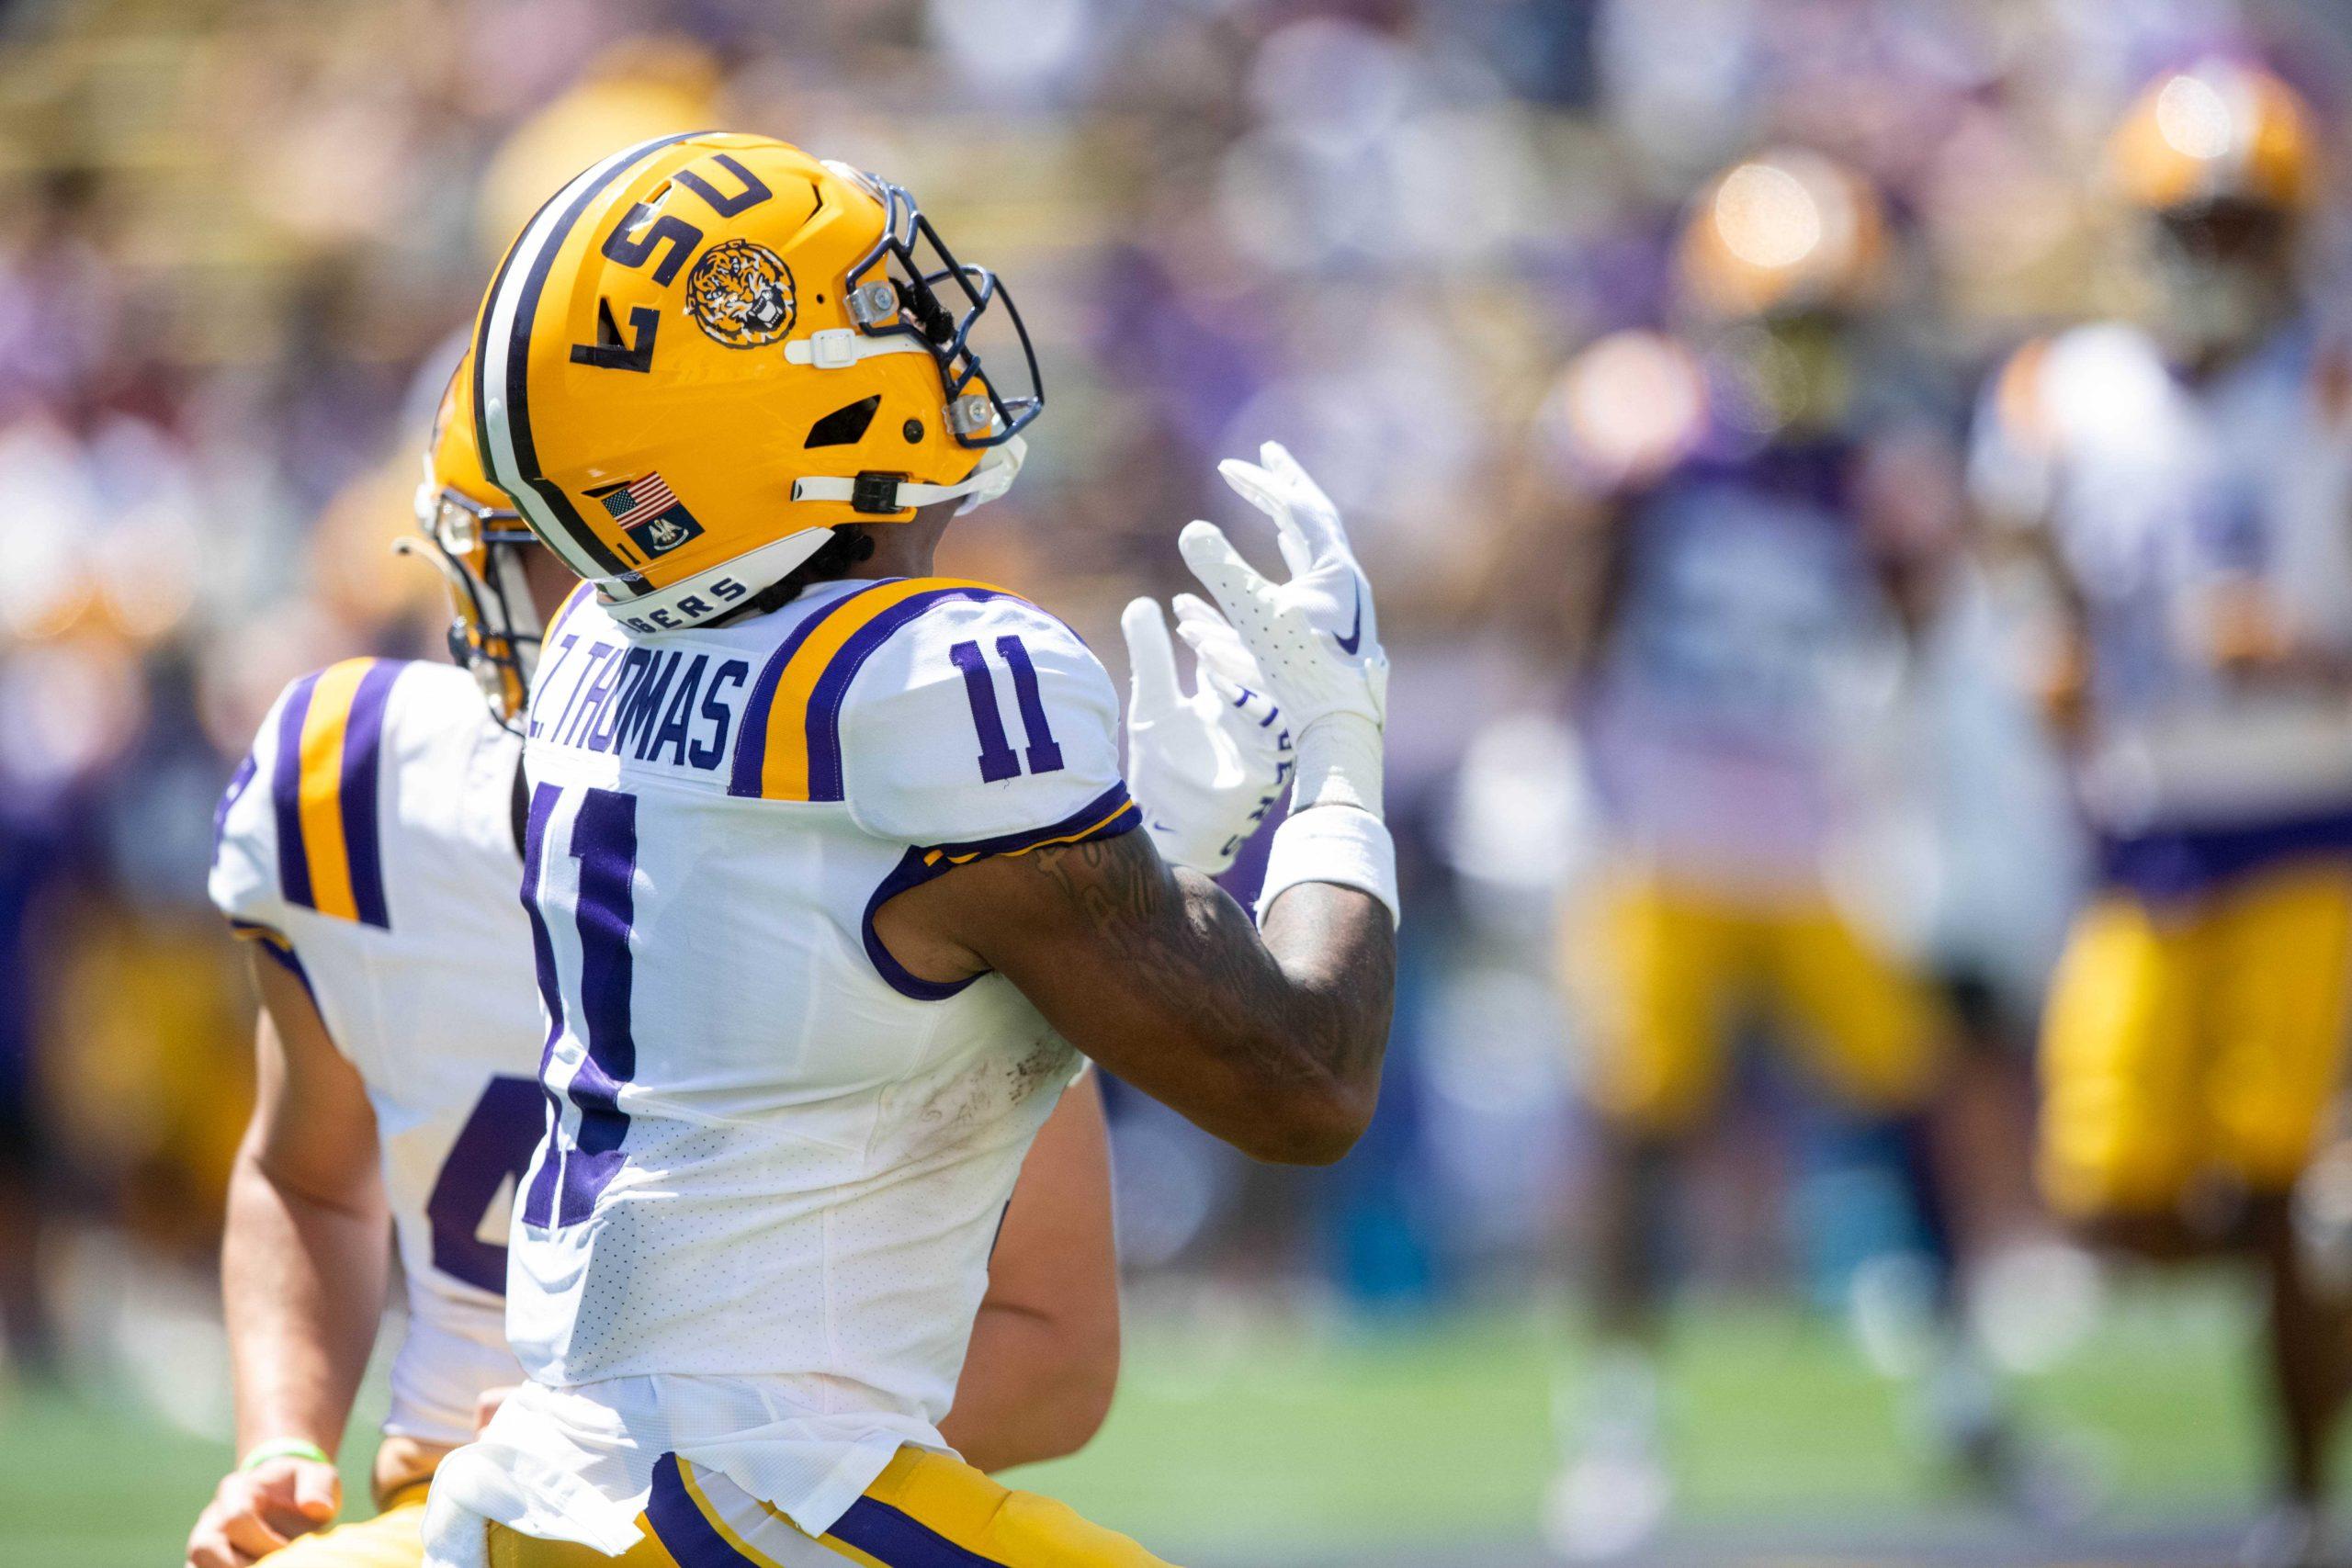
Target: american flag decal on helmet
651,514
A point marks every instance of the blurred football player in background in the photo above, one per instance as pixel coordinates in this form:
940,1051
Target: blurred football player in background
370,848
1753,506
2184,488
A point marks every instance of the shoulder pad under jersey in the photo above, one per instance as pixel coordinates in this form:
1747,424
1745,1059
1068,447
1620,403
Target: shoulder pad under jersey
300,827
942,713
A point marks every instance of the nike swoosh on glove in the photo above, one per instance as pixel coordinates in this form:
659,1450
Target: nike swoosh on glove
1316,636
1207,766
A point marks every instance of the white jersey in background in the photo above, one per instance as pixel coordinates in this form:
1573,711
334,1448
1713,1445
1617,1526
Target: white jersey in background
760,1232
2157,493
368,843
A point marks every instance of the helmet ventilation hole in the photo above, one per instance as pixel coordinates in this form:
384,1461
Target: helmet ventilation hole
844,426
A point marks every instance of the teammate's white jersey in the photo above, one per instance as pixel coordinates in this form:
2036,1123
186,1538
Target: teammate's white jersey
368,841
761,1230
2157,494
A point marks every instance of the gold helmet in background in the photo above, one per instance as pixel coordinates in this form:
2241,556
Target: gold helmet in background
1785,230
2215,132
2218,161
472,533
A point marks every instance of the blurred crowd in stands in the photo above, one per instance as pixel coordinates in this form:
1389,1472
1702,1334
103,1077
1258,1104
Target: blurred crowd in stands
239,236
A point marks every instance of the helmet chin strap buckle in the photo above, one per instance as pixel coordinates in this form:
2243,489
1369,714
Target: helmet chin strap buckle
877,492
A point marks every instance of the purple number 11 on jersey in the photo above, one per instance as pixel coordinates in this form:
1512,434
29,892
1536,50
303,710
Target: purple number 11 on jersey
579,1162
997,759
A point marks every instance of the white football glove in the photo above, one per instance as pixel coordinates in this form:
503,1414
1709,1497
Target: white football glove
1315,638
1205,768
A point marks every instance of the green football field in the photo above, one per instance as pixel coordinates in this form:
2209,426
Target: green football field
1239,1441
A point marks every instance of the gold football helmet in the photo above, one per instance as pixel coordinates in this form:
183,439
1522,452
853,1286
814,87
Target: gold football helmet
2219,164
2215,132
1787,230
708,350
477,540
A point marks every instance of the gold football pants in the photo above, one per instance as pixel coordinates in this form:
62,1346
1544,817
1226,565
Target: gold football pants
926,1510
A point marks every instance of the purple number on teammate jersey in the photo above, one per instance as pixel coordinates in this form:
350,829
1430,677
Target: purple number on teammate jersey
490,1150
578,1166
997,759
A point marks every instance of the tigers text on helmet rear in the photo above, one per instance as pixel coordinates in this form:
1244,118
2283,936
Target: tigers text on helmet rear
709,349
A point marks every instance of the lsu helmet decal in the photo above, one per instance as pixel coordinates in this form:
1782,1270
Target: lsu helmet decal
1785,230
709,349
477,539
2219,131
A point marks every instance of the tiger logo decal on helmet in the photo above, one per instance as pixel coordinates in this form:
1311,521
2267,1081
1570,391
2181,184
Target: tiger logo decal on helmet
741,294
606,419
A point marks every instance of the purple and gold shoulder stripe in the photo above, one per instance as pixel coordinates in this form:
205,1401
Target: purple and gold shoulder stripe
1107,816
324,788
269,939
790,746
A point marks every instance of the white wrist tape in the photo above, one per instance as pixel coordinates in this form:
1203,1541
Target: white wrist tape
1332,843
1342,761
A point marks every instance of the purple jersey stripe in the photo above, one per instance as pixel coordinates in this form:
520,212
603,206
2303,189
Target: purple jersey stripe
752,739
603,837
539,1203
285,795
363,737
238,781
833,686
912,870
274,943
900,1540
1085,817
918,865
680,1526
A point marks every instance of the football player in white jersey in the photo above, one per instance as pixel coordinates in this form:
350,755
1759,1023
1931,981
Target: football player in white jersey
2186,490
372,847
835,876
1745,570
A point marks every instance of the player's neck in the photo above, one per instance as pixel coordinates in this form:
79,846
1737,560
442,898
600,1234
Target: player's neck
905,549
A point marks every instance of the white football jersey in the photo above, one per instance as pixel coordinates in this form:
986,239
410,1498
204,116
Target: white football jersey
368,841
2157,491
760,1229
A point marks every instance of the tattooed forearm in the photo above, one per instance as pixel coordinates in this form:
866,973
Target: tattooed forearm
1168,982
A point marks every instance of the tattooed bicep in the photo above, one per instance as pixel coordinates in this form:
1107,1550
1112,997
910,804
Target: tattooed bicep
1121,879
